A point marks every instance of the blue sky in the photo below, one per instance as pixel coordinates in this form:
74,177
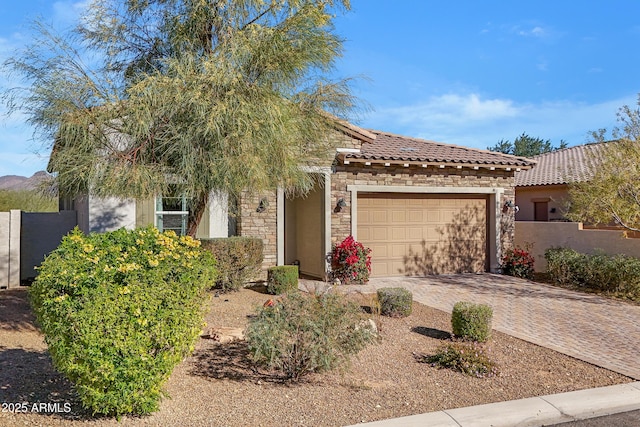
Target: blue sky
461,72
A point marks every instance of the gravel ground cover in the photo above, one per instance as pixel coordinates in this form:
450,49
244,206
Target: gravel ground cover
218,386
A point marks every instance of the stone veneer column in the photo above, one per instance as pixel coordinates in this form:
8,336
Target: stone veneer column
262,225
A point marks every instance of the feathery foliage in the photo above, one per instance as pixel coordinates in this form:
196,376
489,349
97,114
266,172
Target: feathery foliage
211,96
612,195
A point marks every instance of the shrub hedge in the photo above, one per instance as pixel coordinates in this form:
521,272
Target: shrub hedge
238,260
282,279
616,274
471,322
119,311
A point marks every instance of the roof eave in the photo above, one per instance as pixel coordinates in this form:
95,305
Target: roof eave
346,159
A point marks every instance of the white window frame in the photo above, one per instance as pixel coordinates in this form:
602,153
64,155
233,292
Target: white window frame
159,213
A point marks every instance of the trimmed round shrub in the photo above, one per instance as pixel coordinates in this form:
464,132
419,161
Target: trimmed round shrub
119,311
282,279
471,322
301,333
395,302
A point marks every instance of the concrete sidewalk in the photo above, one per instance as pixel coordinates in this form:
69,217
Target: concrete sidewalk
531,412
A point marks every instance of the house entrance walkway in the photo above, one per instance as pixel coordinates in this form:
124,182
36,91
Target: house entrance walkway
597,330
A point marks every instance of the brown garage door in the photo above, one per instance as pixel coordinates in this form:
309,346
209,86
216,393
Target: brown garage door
417,234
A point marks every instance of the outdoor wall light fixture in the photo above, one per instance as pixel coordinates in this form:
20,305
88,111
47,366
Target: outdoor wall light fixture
262,206
510,205
341,204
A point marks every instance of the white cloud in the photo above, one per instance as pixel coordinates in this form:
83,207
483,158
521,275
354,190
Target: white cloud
470,120
67,12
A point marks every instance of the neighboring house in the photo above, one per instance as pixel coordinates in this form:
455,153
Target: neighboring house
422,207
542,193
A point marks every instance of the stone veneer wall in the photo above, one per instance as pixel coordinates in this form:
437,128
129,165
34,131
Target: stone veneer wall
264,224
261,224
358,174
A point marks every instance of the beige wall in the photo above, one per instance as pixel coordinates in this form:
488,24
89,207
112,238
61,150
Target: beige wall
304,232
557,196
544,235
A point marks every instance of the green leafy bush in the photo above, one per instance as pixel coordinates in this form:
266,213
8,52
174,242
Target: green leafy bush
282,279
563,265
119,311
518,262
468,358
395,302
615,274
303,333
238,259
471,322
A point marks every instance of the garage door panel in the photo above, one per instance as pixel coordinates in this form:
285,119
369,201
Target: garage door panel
398,216
379,234
398,233
379,216
424,234
381,250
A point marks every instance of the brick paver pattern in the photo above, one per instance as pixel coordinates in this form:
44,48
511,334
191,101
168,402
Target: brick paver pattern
594,329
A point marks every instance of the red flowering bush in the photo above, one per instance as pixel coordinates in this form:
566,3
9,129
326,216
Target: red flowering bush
518,262
351,262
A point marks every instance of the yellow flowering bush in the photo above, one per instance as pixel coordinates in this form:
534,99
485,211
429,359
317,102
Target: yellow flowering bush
119,311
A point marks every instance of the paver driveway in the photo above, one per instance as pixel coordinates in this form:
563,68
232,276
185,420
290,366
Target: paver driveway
597,330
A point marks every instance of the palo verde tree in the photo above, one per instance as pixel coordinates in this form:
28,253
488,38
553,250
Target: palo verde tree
196,96
526,146
612,195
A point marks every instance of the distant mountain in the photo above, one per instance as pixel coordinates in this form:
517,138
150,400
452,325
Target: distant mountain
17,183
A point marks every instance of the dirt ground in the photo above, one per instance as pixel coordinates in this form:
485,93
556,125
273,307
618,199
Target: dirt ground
218,386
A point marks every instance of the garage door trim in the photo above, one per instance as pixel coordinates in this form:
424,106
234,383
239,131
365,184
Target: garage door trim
495,194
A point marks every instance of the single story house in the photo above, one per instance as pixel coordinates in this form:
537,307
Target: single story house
542,193
423,207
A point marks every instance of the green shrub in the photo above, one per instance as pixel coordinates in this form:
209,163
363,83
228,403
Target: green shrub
238,259
395,302
282,279
615,274
471,322
304,333
119,311
468,358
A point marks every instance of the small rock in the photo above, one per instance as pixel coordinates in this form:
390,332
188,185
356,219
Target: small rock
224,335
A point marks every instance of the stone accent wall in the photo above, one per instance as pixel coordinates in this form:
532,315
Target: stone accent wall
358,174
261,224
264,224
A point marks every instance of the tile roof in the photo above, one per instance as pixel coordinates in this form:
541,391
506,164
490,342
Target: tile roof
562,166
392,147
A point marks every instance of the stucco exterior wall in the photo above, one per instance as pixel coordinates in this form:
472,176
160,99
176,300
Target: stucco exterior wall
544,235
557,196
